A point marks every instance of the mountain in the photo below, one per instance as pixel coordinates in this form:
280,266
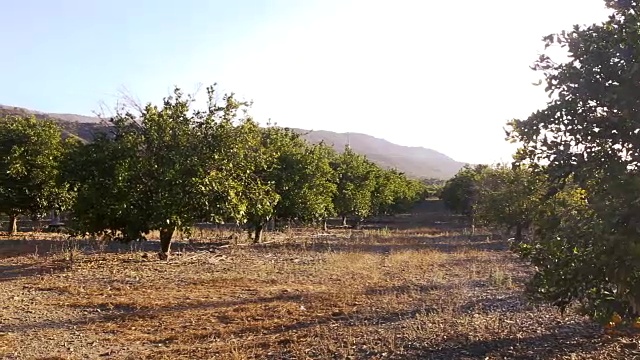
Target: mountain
72,125
416,162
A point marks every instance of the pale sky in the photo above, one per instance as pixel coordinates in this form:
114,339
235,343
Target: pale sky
439,74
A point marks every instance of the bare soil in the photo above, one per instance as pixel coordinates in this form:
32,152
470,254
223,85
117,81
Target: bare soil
408,287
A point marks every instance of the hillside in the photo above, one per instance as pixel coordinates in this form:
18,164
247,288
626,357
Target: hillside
72,125
414,161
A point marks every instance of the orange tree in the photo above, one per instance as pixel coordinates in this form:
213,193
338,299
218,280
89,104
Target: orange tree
356,182
460,193
509,198
31,152
587,247
168,167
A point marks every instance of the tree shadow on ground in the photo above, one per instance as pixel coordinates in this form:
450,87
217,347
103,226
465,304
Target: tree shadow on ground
402,289
13,247
19,247
119,313
553,342
558,341
499,304
16,248
425,214
9,272
444,244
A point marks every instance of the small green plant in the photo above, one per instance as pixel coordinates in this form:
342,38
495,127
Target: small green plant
500,278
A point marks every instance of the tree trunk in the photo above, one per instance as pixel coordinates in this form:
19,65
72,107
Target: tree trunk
507,233
55,218
13,224
324,225
344,221
519,233
165,242
473,226
257,236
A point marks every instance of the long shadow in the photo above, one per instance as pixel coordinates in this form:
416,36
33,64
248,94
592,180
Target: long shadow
429,214
561,340
509,304
9,272
480,243
401,243
557,341
119,313
341,320
404,288
19,247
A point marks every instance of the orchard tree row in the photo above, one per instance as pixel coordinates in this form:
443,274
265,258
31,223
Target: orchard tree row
167,167
575,181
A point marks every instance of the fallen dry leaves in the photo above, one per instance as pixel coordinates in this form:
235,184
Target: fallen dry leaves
421,292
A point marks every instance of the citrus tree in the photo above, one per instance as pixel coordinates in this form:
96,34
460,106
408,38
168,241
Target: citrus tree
100,174
356,181
390,187
30,155
460,193
395,193
255,163
161,169
587,249
510,197
305,181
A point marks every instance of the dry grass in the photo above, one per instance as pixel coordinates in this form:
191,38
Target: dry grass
422,292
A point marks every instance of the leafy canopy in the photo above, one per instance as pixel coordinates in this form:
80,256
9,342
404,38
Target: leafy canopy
460,193
31,152
356,183
305,181
587,246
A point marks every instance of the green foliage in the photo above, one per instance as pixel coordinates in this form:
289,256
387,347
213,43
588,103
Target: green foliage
31,152
433,187
257,160
99,173
305,181
390,187
587,243
460,193
497,196
356,184
510,197
167,167
395,193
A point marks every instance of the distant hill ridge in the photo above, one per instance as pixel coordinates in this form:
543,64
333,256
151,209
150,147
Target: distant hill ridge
416,162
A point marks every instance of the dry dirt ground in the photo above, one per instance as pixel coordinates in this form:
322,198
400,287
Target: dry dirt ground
413,287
